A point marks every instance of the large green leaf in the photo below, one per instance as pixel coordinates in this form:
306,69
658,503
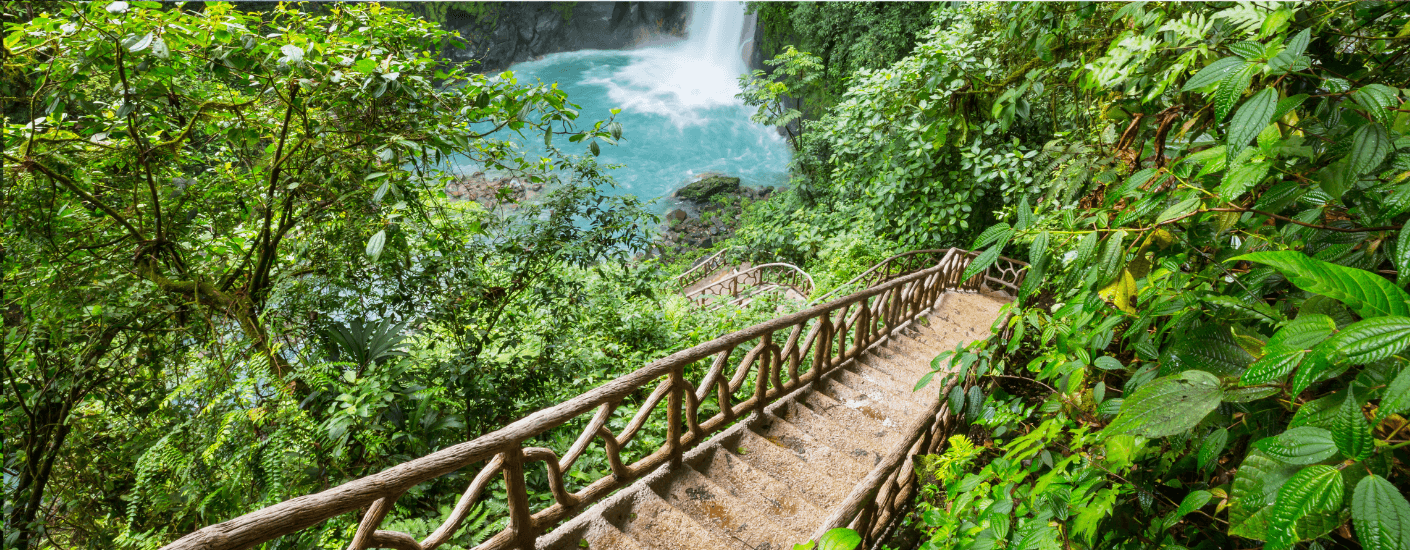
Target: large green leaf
982,261
1373,339
1380,514
1368,294
1250,119
1213,73
1231,88
1242,178
1037,269
1378,100
1369,146
1253,492
1211,447
1402,256
1307,330
1302,445
1397,396
1178,209
1351,432
1167,406
1210,348
1109,262
1273,366
1314,490
993,234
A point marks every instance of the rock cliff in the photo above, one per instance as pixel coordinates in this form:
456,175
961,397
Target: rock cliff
499,34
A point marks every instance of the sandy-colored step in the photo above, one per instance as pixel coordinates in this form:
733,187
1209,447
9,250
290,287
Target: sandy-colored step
814,481
853,420
864,446
903,380
864,378
840,461
869,399
597,535
877,373
903,404
654,523
763,493
723,514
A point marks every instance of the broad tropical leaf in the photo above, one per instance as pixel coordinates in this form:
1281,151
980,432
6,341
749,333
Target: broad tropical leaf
1373,339
1351,432
1211,447
1314,490
1250,119
1213,73
1303,445
1167,406
1368,294
1380,514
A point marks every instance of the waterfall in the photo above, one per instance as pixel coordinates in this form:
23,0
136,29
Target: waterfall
683,79
716,32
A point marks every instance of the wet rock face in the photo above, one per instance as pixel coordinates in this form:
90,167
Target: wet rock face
521,31
493,191
717,201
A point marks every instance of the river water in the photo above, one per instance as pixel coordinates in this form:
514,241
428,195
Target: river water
679,114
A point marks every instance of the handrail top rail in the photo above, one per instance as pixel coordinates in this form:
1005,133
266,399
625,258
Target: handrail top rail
702,264
756,268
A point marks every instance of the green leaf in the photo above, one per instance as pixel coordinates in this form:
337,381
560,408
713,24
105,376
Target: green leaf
1402,256
1373,339
1247,50
840,538
1193,501
1377,99
1108,363
374,245
1368,294
1307,330
1167,406
1253,492
1380,514
1023,213
1272,367
1301,445
1210,348
995,233
1212,447
1319,365
1397,397
1245,395
1314,490
982,261
1287,104
1212,73
1369,147
1178,209
1231,89
1109,263
1351,432
1239,180
1038,255
1250,119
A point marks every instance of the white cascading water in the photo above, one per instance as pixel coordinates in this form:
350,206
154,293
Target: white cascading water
679,80
679,113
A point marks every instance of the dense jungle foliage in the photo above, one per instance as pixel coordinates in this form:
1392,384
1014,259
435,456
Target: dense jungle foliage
1210,348
231,277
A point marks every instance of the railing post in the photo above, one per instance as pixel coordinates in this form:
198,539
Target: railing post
761,384
673,413
520,520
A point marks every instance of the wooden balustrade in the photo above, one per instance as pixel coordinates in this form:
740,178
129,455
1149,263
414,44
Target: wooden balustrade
814,341
740,285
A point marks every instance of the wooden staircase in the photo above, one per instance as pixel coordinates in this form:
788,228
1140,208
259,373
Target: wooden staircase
771,481
761,438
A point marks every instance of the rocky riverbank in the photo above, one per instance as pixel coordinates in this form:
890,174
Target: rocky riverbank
711,211
489,191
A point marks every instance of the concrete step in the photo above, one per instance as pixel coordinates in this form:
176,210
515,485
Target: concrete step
597,535
878,435
814,481
727,517
864,447
655,524
814,449
763,493
876,405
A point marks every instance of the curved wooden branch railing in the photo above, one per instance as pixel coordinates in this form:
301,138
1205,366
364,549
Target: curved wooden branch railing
890,268
702,270
778,357
748,282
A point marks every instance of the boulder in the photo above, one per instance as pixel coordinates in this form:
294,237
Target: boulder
676,216
703,189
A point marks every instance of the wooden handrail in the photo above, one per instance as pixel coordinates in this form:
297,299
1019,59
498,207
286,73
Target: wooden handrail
701,270
818,339
792,277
